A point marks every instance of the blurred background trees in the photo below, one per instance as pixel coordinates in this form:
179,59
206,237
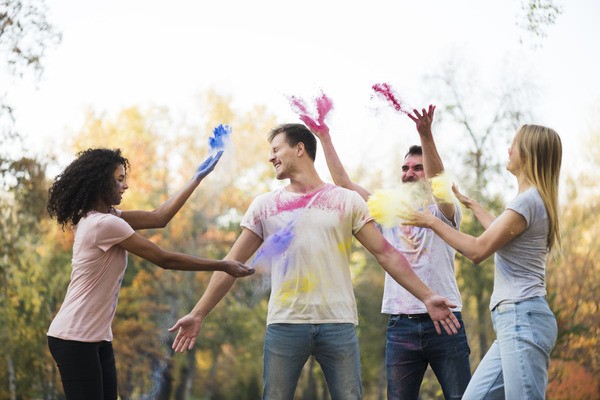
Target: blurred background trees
226,362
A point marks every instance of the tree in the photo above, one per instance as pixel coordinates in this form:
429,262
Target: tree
25,35
22,214
573,284
537,16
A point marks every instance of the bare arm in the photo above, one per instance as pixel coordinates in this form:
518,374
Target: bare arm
188,327
334,164
395,264
160,217
432,162
483,216
142,247
508,225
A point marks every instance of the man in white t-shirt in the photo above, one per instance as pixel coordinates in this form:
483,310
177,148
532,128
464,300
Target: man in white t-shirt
412,342
307,228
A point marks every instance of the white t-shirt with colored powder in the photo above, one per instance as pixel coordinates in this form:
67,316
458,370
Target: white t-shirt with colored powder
98,267
310,281
432,260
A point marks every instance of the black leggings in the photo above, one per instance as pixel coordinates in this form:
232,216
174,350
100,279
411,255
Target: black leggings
87,370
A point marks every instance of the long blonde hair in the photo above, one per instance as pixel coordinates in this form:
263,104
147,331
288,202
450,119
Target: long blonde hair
540,152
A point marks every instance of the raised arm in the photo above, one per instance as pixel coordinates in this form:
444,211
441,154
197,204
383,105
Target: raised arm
188,327
142,247
483,216
334,164
432,162
504,228
394,263
160,217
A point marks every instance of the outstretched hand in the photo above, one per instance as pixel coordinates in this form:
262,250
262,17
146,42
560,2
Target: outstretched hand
207,166
465,200
423,120
439,309
318,128
237,269
187,328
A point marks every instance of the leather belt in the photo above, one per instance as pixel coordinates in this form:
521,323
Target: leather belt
414,316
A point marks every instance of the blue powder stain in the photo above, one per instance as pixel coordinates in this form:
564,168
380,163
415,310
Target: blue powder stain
276,244
221,135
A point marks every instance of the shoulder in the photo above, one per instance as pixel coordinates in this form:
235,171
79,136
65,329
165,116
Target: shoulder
341,192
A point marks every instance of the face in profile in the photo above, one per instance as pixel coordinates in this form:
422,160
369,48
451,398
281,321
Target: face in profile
282,156
120,179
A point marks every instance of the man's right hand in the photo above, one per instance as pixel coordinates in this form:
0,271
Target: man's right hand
188,329
319,129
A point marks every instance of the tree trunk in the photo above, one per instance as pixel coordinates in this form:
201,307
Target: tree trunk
12,379
186,377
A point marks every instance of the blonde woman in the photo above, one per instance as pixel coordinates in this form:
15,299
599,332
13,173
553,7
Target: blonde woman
516,365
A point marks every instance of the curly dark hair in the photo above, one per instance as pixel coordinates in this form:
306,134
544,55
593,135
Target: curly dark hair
83,183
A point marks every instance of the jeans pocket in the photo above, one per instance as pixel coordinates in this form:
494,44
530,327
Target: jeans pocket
544,329
393,321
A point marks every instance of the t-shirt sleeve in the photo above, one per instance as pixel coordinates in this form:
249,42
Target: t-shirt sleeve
251,220
523,204
360,212
112,230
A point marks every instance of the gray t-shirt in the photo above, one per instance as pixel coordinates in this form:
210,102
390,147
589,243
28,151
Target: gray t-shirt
520,271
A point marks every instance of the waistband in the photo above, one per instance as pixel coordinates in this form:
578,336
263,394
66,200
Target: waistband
421,316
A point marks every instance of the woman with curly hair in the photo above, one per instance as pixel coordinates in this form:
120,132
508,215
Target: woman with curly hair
516,365
83,196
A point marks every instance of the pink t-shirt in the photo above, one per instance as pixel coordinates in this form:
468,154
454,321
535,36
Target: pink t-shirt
98,267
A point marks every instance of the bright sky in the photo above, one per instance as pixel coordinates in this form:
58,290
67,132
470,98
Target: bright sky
116,54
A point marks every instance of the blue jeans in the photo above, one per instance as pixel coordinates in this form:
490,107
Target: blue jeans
412,344
516,366
288,347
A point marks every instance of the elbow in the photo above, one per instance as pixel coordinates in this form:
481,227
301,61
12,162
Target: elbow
476,257
161,222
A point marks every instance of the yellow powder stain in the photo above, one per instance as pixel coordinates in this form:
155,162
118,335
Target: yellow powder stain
292,287
441,188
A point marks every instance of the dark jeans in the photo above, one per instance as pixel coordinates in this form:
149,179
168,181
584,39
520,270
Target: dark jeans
412,344
87,370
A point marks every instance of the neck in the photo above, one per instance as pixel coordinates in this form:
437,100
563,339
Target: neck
523,184
101,207
305,182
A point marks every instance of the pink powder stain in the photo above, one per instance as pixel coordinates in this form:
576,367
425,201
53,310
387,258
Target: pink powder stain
386,91
295,204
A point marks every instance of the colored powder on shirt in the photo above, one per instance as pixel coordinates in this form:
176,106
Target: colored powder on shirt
388,206
289,289
221,138
441,187
276,244
385,90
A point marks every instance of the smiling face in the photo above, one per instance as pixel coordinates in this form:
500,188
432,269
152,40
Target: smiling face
120,185
283,156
